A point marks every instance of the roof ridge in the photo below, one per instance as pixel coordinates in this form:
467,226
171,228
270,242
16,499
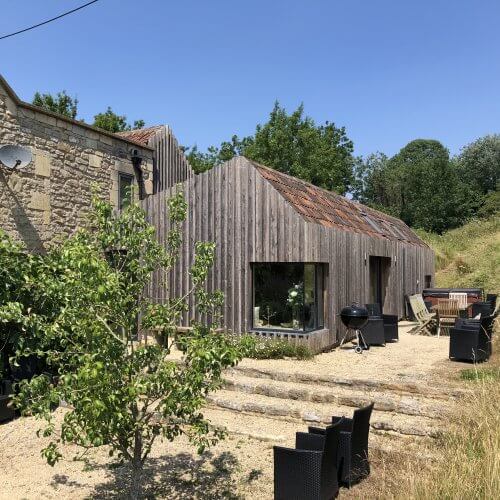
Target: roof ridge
330,209
330,193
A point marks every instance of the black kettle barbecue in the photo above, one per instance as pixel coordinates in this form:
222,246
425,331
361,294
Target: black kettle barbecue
354,318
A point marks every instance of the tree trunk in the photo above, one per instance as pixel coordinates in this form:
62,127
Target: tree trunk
135,492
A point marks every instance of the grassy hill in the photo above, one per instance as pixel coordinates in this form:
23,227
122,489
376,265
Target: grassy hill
468,256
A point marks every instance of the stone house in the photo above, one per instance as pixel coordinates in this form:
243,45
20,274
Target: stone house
50,197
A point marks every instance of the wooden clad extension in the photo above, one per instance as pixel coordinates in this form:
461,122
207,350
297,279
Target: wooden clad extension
170,164
255,214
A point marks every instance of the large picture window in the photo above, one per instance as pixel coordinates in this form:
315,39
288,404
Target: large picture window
288,296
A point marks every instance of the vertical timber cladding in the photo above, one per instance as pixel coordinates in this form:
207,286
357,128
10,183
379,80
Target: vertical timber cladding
250,221
171,165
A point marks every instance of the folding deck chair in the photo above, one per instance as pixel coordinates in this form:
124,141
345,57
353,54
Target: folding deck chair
426,320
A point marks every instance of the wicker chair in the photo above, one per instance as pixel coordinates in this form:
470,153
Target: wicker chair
470,341
373,331
352,462
308,472
476,346
492,299
482,309
390,322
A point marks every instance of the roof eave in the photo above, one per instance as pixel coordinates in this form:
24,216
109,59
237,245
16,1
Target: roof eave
86,126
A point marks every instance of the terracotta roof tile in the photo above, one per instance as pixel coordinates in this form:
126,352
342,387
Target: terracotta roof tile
141,135
329,209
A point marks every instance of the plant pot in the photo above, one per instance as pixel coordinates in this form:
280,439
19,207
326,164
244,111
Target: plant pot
161,338
6,411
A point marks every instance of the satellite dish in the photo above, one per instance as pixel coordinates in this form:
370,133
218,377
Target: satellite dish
15,156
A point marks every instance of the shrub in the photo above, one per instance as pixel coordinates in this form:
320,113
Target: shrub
263,348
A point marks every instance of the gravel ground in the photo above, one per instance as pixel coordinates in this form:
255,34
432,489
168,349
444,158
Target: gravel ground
413,358
237,468
240,466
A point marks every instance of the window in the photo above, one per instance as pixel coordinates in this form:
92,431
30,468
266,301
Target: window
125,183
428,281
288,296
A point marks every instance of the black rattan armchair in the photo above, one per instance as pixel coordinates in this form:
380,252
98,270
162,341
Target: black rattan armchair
352,460
492,299
373,331
470,340
482,308
390,322
308,472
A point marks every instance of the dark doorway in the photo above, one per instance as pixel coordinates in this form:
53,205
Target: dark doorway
379,276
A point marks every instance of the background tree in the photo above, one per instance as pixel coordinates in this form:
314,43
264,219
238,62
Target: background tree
112,122
121,392
479,164
293,144
420,185
61,103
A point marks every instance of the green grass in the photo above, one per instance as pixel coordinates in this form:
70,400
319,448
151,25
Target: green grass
468,256
480,373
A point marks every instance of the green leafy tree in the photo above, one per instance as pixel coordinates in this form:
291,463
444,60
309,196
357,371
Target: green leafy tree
122,392
14,267
293,144
419,185
61,103
479,164
112,122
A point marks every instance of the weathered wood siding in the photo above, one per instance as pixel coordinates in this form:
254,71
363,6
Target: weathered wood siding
234,206
170,166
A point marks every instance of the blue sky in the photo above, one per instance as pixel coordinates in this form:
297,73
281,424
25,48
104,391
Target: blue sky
388,70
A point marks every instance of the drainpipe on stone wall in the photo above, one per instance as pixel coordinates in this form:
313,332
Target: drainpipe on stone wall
139,173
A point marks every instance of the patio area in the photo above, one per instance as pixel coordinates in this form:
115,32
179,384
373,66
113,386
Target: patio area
412,375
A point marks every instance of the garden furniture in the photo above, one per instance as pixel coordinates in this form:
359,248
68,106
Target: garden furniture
352,461
481,309
470,340
447,312
308,472
461,298
390,322
434,294
492,299
426,320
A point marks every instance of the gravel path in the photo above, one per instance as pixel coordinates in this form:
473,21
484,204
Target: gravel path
240,466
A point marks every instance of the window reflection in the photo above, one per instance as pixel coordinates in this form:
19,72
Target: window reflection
287,296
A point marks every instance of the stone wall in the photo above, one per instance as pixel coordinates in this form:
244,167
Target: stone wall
50,198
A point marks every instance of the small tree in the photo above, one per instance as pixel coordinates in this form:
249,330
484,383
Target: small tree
112,122
61,103
121,392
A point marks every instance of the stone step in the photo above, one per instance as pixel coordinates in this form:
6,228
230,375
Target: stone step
279,431
352,396
440,391
316,412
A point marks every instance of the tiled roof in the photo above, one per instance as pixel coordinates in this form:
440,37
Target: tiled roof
329,209
141,135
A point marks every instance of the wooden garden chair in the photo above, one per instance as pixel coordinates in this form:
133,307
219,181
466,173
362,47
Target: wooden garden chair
448,311
461,298
426,320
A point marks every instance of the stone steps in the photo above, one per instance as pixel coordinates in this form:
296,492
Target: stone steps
442,391
340,395
311,412
277,431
